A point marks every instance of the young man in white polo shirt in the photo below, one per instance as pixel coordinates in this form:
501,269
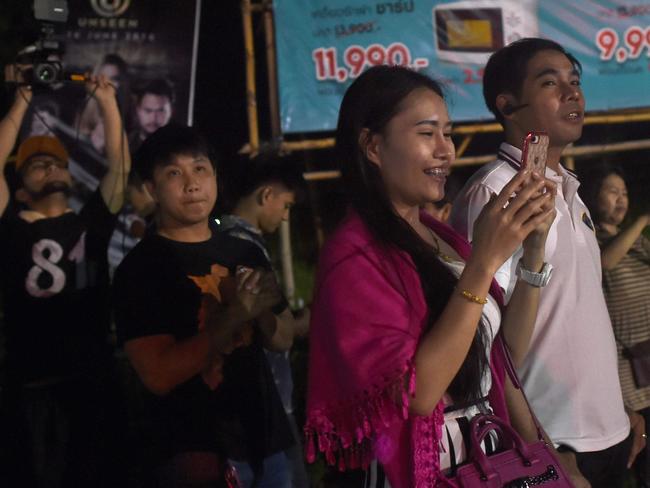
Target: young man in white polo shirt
570,372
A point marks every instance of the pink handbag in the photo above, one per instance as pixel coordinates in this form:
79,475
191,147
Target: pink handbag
518,464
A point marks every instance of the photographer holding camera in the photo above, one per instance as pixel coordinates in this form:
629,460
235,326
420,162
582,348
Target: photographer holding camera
61,396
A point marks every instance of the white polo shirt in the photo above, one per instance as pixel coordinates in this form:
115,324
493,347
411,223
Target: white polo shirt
570,373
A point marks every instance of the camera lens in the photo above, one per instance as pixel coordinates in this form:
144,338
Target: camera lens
45,73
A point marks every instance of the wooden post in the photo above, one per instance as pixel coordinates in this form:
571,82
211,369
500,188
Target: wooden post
570,163
287,263
569,156
271,66
251,91
286,256
473,129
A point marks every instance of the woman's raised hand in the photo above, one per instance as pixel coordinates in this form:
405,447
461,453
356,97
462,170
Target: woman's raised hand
521,209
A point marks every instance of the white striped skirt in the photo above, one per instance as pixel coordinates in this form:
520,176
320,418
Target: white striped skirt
454,444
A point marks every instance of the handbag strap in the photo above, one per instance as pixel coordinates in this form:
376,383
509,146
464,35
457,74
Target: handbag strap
514,379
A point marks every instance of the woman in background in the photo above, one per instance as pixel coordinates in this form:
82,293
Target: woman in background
625,254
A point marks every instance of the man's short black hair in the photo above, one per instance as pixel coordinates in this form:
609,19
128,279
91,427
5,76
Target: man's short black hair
506,69
160,87
168,142
267,168
243,177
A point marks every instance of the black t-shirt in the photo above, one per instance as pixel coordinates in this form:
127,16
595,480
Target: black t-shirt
55,285
243,417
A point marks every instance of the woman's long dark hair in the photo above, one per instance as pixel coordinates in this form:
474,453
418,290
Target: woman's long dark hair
370,103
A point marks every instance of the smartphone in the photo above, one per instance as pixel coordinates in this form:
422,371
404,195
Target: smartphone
533,152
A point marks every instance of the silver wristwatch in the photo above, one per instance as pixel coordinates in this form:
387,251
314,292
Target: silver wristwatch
537,280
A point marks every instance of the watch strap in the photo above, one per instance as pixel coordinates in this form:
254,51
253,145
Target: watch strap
533,278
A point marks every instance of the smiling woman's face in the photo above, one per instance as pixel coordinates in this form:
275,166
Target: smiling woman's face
415,150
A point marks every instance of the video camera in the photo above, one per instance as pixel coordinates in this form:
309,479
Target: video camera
45,54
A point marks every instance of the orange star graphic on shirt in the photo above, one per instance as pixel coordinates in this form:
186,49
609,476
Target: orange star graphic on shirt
209,284
217,285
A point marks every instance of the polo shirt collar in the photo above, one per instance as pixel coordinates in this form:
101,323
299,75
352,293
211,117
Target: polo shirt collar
511,155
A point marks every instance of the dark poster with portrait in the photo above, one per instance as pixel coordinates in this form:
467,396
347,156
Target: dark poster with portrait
148,49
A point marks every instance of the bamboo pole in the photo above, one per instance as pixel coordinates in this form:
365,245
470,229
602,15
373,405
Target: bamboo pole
286,258
596,119
321,175
286,255
477,128
271,66
580,151
308,144
569,162
251,90
569,153
617,118
460,150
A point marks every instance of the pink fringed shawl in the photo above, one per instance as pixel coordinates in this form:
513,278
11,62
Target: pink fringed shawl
367,318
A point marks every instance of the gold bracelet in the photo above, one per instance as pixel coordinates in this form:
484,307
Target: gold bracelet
473,298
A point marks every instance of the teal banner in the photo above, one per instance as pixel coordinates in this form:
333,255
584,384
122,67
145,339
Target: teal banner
322,45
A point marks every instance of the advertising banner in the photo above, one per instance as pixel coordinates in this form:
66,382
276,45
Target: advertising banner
322,45
147,48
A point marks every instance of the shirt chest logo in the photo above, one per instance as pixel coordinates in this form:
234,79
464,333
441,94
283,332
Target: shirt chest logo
216,291
588,222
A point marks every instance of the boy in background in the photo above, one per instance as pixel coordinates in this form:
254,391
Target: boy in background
265,192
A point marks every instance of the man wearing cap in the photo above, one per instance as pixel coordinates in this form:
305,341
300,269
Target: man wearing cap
58,398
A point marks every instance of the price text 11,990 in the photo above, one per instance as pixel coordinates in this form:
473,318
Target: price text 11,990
356,58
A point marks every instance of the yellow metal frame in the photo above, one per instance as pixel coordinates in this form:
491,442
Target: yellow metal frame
467,131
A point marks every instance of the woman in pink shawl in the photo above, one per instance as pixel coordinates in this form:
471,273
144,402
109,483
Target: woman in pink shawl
403,318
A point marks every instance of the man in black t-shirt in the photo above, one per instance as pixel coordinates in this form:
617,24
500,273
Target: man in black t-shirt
55,283
193,309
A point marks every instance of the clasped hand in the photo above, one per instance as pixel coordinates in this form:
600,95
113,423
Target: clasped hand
250,293
256,291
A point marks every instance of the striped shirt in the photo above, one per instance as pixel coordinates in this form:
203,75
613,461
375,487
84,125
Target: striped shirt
627,292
